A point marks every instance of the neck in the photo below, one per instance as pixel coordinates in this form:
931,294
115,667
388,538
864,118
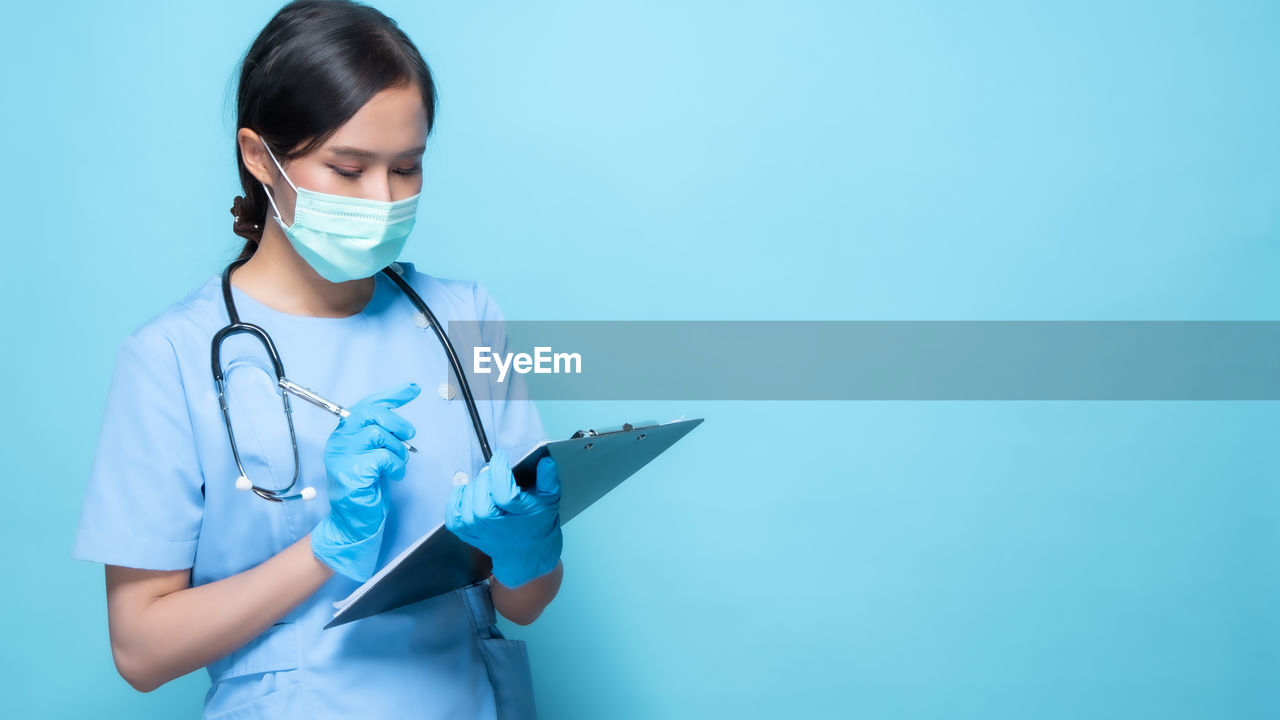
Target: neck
279,278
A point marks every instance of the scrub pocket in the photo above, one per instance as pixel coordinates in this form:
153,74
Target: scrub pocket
506,659
265,446
511,676
259,680
281,702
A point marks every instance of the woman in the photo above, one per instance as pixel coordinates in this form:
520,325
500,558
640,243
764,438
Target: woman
334,107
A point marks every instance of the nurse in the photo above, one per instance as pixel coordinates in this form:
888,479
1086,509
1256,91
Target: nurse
334,105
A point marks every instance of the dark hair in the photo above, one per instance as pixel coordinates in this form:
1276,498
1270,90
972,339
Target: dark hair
313,66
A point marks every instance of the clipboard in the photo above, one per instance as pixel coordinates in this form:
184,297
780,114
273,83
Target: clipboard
590,464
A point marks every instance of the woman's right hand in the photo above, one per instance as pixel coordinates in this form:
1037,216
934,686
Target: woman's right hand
363,450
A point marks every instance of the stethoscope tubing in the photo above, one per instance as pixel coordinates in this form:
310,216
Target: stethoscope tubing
235,327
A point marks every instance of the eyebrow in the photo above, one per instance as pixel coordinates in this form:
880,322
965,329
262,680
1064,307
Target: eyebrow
366,154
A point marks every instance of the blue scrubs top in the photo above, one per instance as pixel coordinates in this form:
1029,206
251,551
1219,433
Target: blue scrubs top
162,496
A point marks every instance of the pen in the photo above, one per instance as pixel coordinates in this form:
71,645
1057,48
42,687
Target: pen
294,388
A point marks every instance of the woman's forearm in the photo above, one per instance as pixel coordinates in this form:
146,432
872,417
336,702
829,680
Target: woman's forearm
522,605
185,630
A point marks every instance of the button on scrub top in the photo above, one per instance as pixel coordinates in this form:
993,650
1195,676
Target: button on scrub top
161,494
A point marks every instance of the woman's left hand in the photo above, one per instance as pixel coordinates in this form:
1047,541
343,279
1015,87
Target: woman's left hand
518,529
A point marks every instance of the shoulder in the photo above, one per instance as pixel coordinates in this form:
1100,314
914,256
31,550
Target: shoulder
183,326
468,294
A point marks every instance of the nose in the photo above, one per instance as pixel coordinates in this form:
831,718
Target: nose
381,189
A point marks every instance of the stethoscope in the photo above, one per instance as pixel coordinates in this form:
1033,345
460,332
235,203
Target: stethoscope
236,327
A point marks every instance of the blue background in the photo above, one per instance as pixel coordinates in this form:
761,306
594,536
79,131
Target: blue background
801,160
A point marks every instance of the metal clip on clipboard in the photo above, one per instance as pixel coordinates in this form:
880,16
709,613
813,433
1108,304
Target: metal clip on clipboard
626,427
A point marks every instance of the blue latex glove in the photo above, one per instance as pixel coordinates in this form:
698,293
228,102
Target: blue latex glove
518,529
360,453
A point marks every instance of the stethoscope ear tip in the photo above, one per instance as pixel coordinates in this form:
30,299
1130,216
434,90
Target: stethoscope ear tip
243,483
308,493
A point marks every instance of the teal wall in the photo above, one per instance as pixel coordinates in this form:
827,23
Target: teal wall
699,160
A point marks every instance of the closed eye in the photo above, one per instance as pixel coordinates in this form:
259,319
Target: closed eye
399,171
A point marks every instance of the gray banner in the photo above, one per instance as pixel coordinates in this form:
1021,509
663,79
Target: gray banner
873,360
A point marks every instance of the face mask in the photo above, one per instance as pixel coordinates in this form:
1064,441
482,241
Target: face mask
345,238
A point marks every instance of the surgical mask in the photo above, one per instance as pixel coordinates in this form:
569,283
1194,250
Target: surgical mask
345,238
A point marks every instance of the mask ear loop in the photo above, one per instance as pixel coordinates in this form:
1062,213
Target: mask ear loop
279,218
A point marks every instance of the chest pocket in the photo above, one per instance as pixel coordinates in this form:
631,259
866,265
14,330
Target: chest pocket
259,423
266,449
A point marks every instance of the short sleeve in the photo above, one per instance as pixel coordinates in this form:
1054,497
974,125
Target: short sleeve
517,424
144,501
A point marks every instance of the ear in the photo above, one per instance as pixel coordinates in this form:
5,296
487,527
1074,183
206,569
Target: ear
255,156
